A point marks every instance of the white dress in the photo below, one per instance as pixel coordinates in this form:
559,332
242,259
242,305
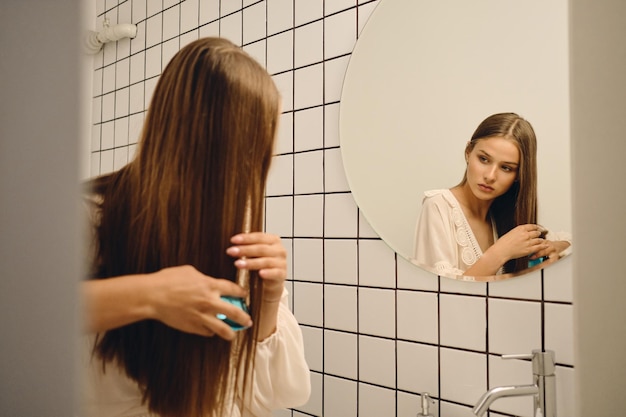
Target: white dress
444,241
281,377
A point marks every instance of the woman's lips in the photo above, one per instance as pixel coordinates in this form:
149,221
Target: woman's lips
485,188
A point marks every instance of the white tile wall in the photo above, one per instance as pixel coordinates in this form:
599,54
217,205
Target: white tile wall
378,331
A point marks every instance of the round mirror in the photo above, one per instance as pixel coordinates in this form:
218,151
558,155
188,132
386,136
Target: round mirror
421,78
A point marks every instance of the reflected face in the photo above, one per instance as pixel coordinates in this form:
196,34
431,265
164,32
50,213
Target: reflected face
492,166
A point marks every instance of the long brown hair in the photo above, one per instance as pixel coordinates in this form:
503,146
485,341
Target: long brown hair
205,149
519,204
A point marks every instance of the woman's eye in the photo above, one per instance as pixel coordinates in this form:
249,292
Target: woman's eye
507,168
482,159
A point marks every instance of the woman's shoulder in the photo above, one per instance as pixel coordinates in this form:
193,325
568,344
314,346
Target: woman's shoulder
440,196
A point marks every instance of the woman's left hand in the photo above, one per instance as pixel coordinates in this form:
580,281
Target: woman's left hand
553,251
265,253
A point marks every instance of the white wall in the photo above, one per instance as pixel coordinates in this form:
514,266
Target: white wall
39,232
598,150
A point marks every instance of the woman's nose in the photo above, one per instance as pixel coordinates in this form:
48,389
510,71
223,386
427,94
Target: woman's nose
490,174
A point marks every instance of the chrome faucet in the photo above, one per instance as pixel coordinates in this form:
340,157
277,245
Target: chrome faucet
543,389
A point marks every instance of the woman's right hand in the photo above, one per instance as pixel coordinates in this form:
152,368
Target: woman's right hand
185,299
523,240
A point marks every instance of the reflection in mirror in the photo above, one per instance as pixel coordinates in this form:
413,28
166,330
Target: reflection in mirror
413,94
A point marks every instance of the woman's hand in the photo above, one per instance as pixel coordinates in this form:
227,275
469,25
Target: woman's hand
265,253
188,300
553,249
523,240
180,297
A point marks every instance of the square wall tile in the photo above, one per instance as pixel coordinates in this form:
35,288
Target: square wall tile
106,161
120,158
121,102
308,260
340,354
154,30
308,303
136,100
558,281
280,176
153,61
462,287
108,135
108,107
188,37
308,11
559,328
309,86
309,44
365,11
108,79
412,277
376,401
463,321
377,361
334,74
228,7
340,261
135,124
284,139
279,216
340,307
514,326
189,15
280,52
138,43
308,210
418,316
377,312
309,129
309,172
376,264
137,67
334,173
340,33
231,28
418,368
284,83
331,124
340,397
338,5
565,390
171,23
314,351
209,11
463,375
526,286
168,50
121,132
279,15
153,6
254,23
365,229
340,216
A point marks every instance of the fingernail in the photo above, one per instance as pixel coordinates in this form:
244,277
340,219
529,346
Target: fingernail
233,251
240,263
236,239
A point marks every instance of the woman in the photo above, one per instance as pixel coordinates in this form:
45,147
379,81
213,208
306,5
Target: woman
170,221
487,224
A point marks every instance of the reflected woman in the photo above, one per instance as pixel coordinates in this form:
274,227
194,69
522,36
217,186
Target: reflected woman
487,224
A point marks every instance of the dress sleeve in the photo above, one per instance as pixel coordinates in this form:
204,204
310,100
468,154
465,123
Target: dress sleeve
435,247
281,375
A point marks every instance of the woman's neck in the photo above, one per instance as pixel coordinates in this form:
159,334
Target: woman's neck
472,206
